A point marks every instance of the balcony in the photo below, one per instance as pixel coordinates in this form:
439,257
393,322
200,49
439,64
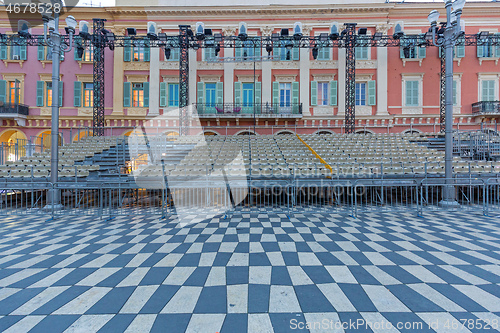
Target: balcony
489,108
18,112
233,110
13,109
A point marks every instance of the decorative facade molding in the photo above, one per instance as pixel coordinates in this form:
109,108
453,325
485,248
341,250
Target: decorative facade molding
229,31
247,78
285,77
266,31
366,64
209,65
210,78
319,64
170,78
137,77
137,111
48,76
136,66
323,77
383,28
248,65
285,65
363,77
84,77
169,65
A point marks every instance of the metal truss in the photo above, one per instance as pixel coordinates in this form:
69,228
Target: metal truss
442,92
102,38
350,86
99,43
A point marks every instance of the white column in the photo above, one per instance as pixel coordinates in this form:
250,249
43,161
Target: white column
154,81
304,64
193,67
382,81
266,82
229,77
341,82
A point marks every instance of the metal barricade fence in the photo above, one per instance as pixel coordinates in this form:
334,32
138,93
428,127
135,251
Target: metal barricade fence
469,193
385,195
492,193
299,196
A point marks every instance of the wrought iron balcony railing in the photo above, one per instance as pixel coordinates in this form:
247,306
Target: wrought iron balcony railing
249,110
486,107
9,108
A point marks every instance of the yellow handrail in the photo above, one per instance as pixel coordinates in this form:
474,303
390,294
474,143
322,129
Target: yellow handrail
316,154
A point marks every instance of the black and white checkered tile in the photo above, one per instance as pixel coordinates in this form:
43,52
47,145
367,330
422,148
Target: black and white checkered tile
380,272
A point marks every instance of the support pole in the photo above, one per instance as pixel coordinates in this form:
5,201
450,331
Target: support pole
350,78
442,99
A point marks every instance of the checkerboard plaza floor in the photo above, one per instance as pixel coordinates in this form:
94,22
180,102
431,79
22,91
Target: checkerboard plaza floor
380,272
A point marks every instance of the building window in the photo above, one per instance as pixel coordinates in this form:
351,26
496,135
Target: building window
15,50
14,92
361,93
412,93
173,94
138,53
137,95
455,96
209,53
88,53
362,52
248,94
174,54
48,93
487,49
487,90
210,89
285,94
323,98
88,95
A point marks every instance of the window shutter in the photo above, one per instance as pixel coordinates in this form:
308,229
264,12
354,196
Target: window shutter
219,92
3,52
126,94
127,51
277,53
3,91
237,49
163,94
421,52
276,93
497,47
39,93
41,50
201,92
295,93
77,93
60,93
401,53
258,50
146,51
174,54
258,92
372,97
454,92
237,93
23,50
333,92
314,93
479,50
295,53
145,88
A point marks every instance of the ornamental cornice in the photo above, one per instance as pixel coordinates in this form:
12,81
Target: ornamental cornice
286,65
285,77
210,78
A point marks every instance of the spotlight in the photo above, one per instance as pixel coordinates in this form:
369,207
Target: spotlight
398,30
80,50
23,29
297,30
84,30
152,30
242,31
131,31
483,34
377,36
269,49
334,31
168,51
284,32
315,52
217,50
200,30
362,31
